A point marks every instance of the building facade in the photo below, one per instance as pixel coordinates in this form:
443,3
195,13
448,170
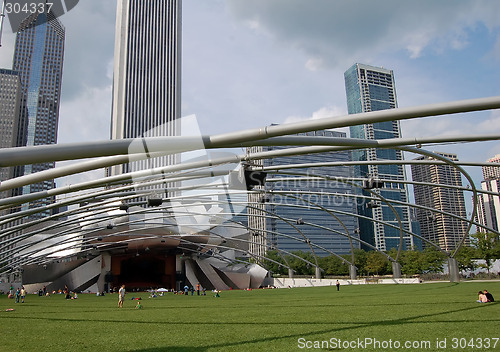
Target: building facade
492,172
147,72
297,213
368,89
38,59
441,229
10,97
488,212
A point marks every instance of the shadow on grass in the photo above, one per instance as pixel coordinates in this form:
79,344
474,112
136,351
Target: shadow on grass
351,326
173,349
355,325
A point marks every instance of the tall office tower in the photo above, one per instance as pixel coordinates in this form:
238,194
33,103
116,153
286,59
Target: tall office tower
442,229
488,207
299,213
147,72
492,172
38,57
10,96
371,88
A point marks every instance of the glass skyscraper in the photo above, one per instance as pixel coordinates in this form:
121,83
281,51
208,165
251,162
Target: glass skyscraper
147,71
38,59
371,88
297,206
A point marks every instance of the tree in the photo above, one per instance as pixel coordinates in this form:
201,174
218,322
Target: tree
272,266
465,258
433,260
411,262
376,263
333,265
360,258
299,266
496,249
487,247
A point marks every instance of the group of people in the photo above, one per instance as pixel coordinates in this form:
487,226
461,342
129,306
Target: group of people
43,292
485,297
199,290
19,295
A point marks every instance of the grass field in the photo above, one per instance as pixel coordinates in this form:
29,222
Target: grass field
260,320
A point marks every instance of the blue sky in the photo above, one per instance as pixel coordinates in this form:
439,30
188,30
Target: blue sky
252,63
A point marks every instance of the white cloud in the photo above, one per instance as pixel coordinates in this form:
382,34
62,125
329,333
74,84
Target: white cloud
491,124
453,125
89,46
343,31
314,64
87,116
327,111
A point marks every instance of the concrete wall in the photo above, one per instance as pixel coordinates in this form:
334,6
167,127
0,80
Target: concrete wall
305,282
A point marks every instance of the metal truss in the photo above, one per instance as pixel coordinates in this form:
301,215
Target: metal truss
104,199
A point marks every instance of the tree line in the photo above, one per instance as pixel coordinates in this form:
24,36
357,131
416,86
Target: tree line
485,246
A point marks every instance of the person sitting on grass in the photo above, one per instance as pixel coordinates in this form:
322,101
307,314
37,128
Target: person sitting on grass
139,305
489,296
481,297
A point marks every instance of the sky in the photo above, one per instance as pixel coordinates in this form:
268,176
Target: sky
248,64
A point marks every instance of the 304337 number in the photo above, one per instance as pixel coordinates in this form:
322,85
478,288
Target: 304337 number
472,343
27,8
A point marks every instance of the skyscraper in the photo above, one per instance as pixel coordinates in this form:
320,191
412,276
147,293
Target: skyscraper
371,88
38,58
302,203
442,229
10,97
488,212
492,172
147,70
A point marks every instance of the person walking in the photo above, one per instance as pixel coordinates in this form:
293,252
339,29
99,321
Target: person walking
121,296
338,285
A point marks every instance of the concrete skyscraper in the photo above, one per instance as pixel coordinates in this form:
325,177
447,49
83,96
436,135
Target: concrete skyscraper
442,229
147,72
371,88
38,59
488,213
10,97
492,172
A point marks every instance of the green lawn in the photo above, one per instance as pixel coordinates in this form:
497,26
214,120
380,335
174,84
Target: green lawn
259,320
